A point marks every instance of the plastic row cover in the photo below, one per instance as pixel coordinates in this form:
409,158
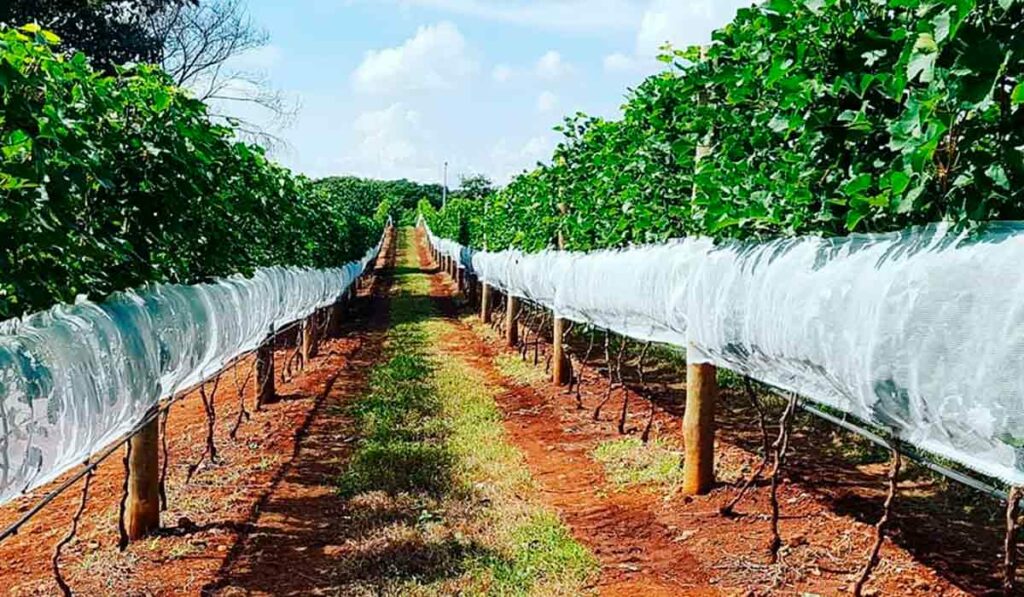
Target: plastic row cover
77,377
920,332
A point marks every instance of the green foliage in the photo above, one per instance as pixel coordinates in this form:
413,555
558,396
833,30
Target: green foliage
476,187
401,196
817,116
109,182
108,32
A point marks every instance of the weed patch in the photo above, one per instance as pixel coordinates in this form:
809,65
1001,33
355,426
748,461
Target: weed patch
629,462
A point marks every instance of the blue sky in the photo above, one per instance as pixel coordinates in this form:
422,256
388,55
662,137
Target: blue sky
392,88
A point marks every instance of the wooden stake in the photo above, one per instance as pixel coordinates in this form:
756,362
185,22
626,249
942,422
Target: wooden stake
142,509
699,429
1010,542
485,302
559,364
307,333
335,319
266,393
511,327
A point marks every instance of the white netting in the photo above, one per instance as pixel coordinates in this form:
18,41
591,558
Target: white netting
920,332
77,377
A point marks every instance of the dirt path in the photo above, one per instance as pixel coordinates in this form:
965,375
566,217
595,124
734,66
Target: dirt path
638,553
650,543
291,547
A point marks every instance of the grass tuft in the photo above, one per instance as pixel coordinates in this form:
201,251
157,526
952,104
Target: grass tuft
512,366
628,462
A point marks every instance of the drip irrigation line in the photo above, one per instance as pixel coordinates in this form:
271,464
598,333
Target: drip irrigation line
907,452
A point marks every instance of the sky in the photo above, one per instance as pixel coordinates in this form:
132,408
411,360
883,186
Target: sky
394,88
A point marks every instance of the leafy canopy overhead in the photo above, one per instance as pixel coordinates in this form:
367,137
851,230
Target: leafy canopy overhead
109,32
112,181
812,116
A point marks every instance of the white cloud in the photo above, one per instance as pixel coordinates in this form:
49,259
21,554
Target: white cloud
619,62
390,143
682,22
501,73
508,160
546,101
552,67
577,16
435,58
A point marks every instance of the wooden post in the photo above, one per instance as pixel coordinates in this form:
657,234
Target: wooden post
337,316
265,372
559,362
701,395
306,332
511,327
485,302
699,429
142,509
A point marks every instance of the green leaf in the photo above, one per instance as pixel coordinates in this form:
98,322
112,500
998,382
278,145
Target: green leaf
853,218
941,23
782,7
161,100
858,185
997,174
1017,96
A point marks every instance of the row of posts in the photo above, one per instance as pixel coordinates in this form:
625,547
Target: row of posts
142,506
701,379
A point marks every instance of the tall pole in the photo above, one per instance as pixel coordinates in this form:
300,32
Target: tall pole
701,396
444,187
560,366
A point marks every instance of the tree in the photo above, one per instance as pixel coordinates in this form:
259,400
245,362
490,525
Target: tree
109,32
201,43
475,187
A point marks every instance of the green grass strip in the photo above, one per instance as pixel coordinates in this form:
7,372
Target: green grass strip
446,502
